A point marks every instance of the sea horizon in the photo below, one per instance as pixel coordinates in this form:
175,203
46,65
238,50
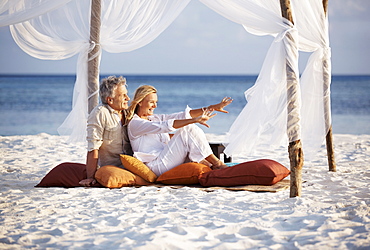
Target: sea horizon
39,103
151,74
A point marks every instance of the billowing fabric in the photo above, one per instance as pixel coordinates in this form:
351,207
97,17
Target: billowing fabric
263,121
313,29
12,12
62,30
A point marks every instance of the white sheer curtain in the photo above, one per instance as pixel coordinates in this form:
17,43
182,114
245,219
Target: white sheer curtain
264,119
126,26
56,35
131,24
54,30
312,25
64,32
13,11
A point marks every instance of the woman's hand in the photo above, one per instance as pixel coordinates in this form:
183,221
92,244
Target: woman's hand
220,106
207,114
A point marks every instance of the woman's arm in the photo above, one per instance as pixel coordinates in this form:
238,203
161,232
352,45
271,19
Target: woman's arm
138,127
216,107
202,119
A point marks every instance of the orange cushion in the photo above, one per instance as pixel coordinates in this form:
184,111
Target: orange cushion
115,177
184,174
67,174
138,167
258,172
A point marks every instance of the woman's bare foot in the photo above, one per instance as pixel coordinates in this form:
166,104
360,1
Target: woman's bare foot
205,162
219,165
216,163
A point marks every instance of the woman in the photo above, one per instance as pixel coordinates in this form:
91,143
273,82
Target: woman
149,133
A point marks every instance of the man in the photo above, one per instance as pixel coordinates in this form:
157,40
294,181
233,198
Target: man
107,129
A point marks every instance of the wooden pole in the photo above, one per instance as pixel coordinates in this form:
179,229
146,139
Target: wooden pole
94,55
295,146
325,5
326,86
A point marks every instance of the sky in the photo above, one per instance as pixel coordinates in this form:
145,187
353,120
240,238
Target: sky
200,41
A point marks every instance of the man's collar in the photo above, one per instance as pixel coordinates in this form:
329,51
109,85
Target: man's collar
111,109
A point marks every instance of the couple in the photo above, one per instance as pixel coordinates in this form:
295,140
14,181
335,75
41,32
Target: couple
115,128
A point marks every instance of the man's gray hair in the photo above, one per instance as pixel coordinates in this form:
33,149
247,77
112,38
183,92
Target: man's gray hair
108,85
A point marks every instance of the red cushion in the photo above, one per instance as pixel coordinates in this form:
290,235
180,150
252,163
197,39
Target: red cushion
258,172
66,174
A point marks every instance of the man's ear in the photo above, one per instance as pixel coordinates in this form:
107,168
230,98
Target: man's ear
109,100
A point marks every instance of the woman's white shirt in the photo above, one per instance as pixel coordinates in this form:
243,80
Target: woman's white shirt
149,137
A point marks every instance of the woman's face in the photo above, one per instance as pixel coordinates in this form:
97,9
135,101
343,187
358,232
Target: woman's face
147,105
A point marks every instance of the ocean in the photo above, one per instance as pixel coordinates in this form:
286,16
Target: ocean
33,104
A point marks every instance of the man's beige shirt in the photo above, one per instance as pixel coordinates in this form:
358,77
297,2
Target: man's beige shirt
106,133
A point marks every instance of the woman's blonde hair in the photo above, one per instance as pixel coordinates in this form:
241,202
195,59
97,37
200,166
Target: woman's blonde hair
140,93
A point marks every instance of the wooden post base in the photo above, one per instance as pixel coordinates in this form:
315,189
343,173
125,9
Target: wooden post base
296,165
330,151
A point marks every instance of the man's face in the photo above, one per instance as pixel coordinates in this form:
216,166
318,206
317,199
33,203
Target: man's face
120,100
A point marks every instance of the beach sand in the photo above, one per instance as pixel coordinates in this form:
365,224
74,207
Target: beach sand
332,213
